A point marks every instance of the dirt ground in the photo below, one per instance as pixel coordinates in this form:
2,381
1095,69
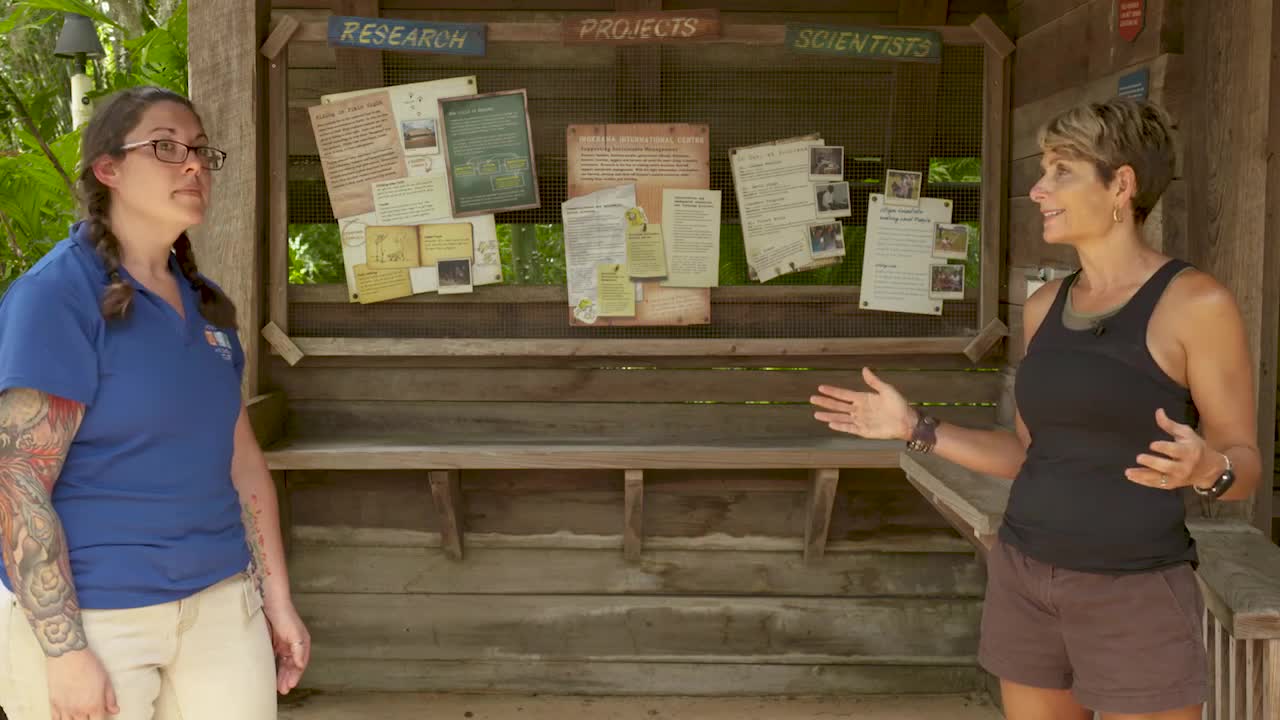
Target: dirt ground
393,706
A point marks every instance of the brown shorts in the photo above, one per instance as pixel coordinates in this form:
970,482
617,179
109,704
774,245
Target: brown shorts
1121,643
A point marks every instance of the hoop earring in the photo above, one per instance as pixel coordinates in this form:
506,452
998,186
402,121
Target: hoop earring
1115,214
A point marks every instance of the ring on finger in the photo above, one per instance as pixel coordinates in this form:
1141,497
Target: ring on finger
1164,480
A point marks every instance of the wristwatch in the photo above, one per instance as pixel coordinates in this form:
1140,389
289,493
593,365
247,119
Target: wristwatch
1221,484
925,434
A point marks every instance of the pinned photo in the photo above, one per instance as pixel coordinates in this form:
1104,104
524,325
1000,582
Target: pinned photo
826,240
946,282
951,241
902,187
419,134
826,163
455,276
833,199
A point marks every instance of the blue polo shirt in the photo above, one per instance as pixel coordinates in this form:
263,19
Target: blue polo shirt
145,496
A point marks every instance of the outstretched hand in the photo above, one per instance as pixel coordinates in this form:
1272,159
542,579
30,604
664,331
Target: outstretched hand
1179,462
881,414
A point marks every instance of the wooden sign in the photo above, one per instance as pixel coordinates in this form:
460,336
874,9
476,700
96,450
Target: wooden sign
866,43
407,35
1130,17
635,28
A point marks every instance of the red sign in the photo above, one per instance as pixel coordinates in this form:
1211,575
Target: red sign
1130,18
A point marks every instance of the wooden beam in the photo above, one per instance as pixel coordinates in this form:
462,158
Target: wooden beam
822,496
280,36
993,36
226,84
633,520
733,34
446,492
278,192
444,347
995,191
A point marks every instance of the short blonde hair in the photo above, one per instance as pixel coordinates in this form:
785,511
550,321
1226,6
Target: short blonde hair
1118,132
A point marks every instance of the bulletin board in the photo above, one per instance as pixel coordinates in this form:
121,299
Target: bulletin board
944,121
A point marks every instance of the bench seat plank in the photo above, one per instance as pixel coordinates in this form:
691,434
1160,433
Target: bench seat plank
537,452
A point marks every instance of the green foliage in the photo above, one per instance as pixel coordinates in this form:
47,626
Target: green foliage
955,170
315,254
37,202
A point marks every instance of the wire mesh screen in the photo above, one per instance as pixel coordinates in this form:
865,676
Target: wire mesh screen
922,118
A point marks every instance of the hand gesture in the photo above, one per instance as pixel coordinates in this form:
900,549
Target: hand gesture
292,645
881,414
1180,462
79,687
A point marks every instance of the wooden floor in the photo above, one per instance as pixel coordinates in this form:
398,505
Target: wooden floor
408,706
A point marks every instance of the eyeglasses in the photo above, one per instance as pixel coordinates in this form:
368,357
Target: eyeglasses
172,151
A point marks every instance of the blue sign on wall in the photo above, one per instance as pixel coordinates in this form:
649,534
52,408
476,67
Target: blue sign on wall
1135,84
407,35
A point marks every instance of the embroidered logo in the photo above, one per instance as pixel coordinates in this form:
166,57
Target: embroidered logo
219,341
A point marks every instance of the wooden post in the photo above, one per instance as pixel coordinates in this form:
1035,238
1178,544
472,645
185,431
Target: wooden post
446,491
822,497
226,84
1232,235
995,159
278,162
633,521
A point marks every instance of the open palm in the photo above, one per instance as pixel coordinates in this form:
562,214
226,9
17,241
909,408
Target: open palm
881,414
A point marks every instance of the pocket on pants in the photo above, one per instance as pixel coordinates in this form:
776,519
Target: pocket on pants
252,598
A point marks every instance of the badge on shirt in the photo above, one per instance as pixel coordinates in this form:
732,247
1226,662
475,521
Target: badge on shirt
219,341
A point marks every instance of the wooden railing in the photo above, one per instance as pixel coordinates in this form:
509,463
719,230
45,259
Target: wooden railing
1239,576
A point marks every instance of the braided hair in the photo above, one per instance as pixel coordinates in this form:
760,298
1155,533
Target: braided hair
103,135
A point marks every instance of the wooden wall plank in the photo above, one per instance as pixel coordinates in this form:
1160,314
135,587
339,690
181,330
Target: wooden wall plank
638,385
1029,16
620,628
1029,116
361,419
1054,58
227,77
319,568
646,678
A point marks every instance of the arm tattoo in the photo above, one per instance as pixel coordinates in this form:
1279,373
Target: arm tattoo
35,434
257,542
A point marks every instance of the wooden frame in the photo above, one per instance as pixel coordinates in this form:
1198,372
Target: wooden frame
982,32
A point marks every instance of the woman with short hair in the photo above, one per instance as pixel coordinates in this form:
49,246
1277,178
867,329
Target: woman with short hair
1136,383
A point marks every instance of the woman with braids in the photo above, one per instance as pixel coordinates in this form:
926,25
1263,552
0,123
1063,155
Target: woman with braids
139,530
1135,390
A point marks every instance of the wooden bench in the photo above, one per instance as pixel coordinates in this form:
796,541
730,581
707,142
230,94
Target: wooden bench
1239,575
759,437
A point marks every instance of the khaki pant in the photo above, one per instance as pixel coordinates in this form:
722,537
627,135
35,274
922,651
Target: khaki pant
206,657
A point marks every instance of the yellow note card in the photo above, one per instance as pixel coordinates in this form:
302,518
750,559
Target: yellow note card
446,241
646,253
374,285
390,247
617,294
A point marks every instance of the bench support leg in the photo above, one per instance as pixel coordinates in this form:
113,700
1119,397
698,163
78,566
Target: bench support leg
633,528
822,496
446,491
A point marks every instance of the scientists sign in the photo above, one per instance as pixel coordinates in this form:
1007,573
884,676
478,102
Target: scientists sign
407,35
866,43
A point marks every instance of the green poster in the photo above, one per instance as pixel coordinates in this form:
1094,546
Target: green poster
489,153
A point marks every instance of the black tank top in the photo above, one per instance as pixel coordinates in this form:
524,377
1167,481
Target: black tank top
1089,398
